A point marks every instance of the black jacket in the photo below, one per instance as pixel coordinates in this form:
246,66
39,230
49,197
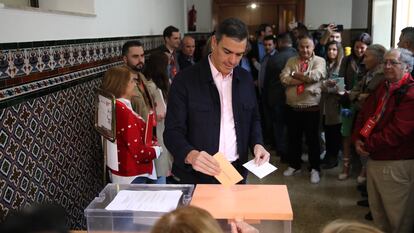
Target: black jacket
273,90
193,117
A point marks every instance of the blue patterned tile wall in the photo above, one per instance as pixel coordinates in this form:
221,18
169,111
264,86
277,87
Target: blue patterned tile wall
50,152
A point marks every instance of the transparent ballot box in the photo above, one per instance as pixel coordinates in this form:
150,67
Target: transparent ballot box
133,207
266,207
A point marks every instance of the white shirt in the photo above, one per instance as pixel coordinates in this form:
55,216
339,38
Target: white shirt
228,140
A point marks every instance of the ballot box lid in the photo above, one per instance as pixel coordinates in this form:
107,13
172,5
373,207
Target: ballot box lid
249,202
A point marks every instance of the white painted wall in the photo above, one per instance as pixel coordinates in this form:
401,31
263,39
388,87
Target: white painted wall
81,6
204,14
16,2
353,14
381,22
114,18
359,14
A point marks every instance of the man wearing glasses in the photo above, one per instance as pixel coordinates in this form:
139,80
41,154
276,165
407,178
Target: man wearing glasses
384,132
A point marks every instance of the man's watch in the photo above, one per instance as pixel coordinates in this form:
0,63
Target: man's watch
293,73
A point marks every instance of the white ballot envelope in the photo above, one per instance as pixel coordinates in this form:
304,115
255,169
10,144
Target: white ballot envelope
260,171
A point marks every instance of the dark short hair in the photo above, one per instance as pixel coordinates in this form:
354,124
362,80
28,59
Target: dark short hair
129,44
168,31
262,28
233,28
408,33
270,37
285,37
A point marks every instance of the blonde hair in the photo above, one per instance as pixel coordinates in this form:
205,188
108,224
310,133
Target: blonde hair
344,226
116,80
188,219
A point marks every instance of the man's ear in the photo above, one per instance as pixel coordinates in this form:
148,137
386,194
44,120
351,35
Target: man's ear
125,59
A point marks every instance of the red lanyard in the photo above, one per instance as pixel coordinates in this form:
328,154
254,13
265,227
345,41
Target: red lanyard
303,66
379,112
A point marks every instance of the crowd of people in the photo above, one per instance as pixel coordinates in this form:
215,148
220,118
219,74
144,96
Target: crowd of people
270,92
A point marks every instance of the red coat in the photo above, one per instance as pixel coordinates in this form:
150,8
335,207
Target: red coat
134,157
393,136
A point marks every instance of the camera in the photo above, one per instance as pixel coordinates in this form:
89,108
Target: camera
338,28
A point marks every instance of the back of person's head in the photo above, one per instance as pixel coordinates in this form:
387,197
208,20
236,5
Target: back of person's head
187,219
168,31
116,80
284,39
156,70
233,28
129,44
343,226
378,50
302,29
35,219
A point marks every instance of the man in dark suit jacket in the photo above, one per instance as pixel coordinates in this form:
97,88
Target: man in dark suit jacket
186,55
212,108
274,91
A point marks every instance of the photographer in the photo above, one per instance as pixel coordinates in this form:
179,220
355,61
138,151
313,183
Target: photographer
332,32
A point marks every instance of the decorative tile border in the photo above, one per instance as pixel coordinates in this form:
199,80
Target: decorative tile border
22,62
33,66
38,85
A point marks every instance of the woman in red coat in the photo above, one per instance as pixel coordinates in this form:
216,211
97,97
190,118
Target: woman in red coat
135,158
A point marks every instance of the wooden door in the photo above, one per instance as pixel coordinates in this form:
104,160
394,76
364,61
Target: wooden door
287,14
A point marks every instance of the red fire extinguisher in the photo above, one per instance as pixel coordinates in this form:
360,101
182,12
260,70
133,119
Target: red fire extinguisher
192,19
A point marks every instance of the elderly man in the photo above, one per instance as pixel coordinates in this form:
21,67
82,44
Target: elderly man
301,76
186,56
212,108
384,132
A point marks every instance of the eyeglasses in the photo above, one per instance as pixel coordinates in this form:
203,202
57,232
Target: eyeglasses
391,62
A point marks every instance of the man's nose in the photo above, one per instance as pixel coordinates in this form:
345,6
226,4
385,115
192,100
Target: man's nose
233,59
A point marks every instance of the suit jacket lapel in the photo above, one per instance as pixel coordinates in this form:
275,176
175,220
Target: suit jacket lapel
208,77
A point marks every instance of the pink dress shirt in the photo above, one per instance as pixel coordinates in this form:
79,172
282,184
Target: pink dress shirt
228,142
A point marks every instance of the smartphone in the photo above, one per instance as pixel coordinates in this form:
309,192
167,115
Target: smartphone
339,27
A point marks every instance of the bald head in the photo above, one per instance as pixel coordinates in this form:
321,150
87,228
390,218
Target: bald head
188,46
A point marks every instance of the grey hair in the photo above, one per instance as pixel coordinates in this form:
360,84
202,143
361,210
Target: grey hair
378,50
406,57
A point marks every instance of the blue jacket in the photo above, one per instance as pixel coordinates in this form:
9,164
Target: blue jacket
193,117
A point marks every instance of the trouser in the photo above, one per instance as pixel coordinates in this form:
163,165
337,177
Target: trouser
333,141
390,185
299,122
266,121
278,115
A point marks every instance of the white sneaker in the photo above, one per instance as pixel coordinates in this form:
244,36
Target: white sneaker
290,171
314,179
